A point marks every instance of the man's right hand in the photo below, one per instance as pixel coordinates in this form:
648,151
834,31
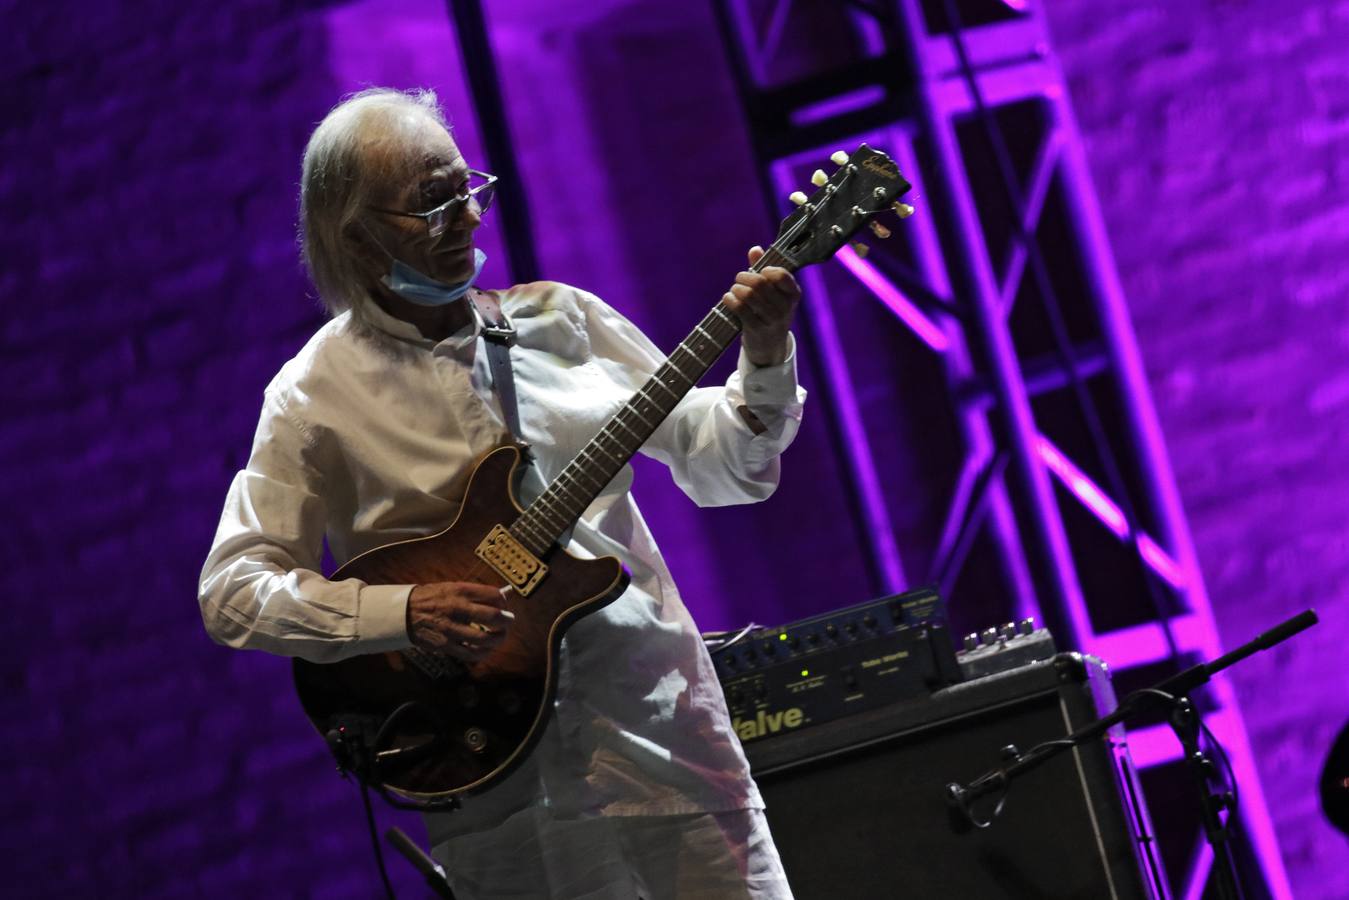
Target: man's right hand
458,618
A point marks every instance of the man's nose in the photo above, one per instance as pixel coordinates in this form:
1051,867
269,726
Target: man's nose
466,221
471,216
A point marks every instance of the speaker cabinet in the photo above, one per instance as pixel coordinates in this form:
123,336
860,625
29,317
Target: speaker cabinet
858,810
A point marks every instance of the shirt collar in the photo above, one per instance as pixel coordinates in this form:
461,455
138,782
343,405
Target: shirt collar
406,331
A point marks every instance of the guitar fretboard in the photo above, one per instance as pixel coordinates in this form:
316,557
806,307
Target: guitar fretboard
582,480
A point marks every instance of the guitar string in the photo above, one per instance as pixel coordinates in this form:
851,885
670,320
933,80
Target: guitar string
526,520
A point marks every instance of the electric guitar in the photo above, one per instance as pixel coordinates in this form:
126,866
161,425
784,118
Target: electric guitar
433,728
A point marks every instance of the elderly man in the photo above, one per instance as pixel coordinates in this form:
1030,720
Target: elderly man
637,786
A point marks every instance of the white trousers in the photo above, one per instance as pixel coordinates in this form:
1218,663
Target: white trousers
701,856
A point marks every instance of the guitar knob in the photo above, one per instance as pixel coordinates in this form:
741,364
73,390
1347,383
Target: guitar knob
797,197
860,249
475,739
878,229
903,210
818,178
839,157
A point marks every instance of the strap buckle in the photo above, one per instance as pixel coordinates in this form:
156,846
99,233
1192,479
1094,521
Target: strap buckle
502,332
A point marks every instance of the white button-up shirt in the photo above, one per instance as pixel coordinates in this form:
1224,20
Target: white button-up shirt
365,438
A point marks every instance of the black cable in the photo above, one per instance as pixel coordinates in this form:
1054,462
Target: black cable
374,839
1045,746
1231,774
997,809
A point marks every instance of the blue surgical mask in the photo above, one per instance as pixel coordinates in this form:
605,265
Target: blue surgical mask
424,290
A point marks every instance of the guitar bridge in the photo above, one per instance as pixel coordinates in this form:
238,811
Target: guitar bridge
509,558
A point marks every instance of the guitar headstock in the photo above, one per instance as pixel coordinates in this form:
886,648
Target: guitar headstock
866,183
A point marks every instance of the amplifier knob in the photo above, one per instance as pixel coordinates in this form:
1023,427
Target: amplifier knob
813,638
851,628
831,629
793,642
990,635
1008,630
971,641
1027,626
769,649
869,620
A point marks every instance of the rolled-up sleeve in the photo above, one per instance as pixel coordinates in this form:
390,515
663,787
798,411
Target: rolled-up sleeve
261,586
718,455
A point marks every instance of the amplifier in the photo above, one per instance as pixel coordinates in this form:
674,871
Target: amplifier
857,806
779,680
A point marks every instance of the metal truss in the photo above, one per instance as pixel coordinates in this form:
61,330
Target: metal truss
1006,277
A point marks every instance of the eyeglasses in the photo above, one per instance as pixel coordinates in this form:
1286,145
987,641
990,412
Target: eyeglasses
479,188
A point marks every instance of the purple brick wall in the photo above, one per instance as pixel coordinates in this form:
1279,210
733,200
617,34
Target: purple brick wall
151,288
1217,135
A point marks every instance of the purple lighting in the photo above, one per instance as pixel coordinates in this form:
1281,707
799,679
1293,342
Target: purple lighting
927,330
837,106
1161,562
1105,509
1140,645
1075,480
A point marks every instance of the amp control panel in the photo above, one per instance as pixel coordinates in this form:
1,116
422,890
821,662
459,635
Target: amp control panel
842,662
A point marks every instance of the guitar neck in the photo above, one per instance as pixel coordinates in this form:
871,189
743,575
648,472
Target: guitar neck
581,481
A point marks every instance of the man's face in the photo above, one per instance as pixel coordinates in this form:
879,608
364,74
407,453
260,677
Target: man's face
423,170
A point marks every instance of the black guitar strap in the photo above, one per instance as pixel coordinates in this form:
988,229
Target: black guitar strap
499,333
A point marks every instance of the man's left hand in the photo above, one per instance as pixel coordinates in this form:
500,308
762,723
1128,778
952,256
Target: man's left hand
766,304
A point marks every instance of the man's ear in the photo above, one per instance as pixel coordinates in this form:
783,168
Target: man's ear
372,263
361,245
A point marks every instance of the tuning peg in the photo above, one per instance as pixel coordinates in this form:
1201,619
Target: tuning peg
860,249
819,179
797,197
878,229
903,210
839,158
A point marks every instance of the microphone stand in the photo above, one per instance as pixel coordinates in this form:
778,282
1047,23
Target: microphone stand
1183,718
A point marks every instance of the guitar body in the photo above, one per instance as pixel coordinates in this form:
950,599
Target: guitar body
469,724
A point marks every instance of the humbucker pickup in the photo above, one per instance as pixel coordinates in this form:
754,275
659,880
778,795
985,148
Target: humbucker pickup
511,560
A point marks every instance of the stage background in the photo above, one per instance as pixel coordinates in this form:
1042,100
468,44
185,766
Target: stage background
151,288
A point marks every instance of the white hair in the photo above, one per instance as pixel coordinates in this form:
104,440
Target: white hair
339,174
